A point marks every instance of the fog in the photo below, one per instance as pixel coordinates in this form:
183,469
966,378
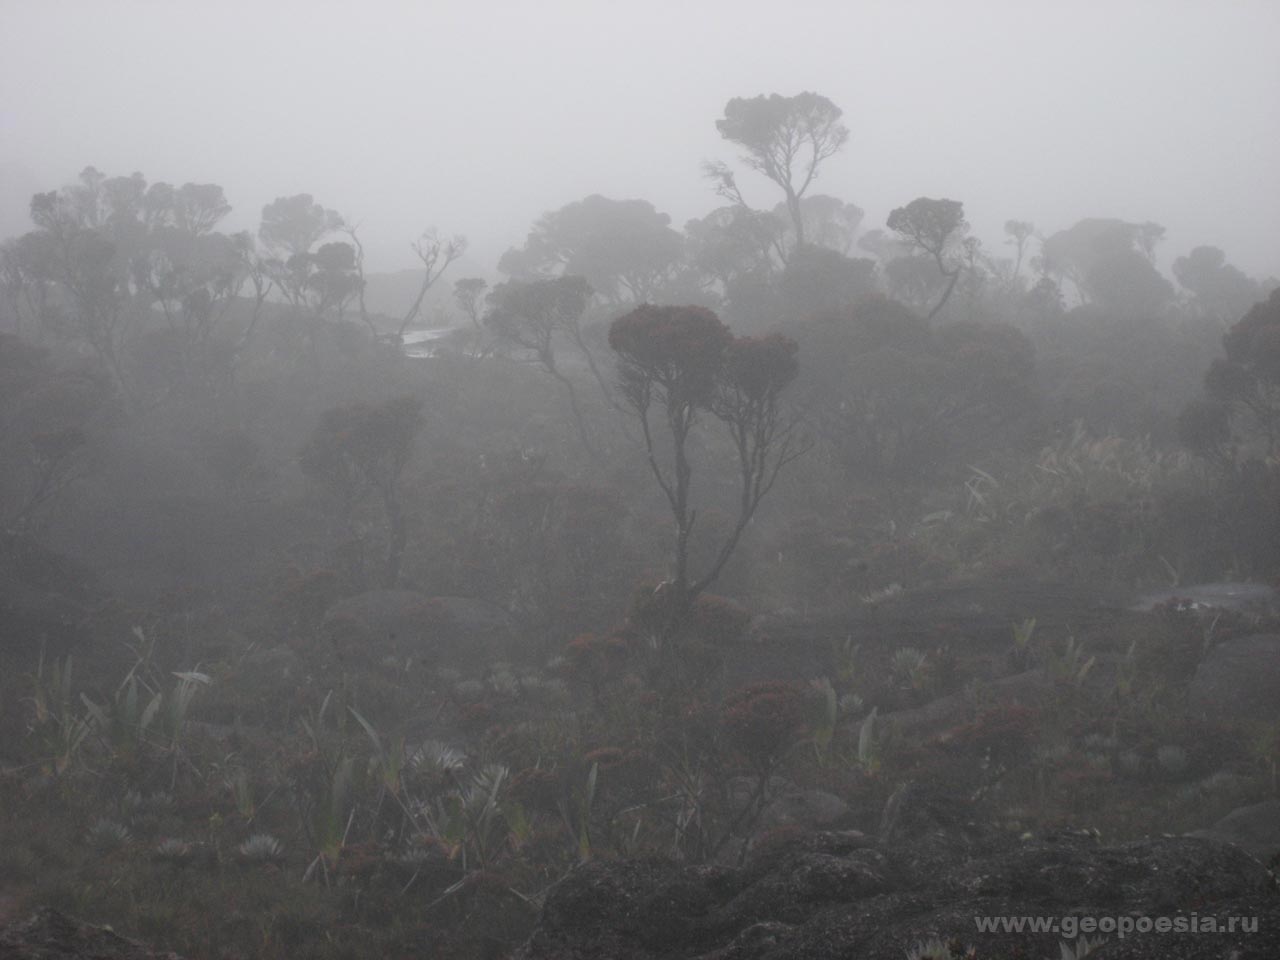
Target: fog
478,117
468,491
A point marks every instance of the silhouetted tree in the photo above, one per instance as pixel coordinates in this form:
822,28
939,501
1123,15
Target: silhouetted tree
1220,292
1019,233
829,222
532,314
936,229
625,249
467,294
1247,379
45,429
1109,263
821,280
110,253
786,139
678,362
357,449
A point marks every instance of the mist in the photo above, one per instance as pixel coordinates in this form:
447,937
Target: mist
682,481
480,117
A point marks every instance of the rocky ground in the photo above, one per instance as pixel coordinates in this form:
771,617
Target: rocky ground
846,895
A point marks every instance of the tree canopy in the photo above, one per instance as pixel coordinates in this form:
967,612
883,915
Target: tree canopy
784,138
625,249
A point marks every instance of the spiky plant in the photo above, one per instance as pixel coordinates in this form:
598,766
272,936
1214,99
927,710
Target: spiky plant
173,850
910,667
1082,948
437,757
106,835
261,848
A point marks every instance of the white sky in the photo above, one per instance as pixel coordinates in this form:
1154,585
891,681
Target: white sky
479,116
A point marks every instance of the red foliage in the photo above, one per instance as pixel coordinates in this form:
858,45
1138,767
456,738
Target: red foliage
718,621
763,719
680,348
605,757
1006,731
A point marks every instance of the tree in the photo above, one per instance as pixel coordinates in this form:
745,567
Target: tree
109,252
48,417
625,249
357,449
1109,263
735,253
894,397
467,294
291,226
1019,233
1220,292
821,280
935,228
733,243
786,139
531,314
1247,378
829,222
678,362
436,254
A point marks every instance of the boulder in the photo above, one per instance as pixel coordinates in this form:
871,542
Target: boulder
1256,598
1254,828
1239,680
461,632
789,804
49,935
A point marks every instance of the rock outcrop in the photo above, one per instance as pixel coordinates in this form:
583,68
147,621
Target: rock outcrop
49,935
1255,828
841,895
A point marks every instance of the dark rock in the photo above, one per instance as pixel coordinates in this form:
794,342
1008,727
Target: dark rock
1239,681
1255,828
843,895
1257,598
788,804
458,631
51,936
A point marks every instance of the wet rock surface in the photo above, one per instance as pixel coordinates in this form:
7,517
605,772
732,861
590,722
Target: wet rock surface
847,895
50,935
1255,828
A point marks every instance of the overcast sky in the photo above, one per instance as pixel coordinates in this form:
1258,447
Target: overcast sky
478,116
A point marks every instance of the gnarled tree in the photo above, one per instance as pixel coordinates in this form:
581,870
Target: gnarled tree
676,363
786,139
531,314
934,228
